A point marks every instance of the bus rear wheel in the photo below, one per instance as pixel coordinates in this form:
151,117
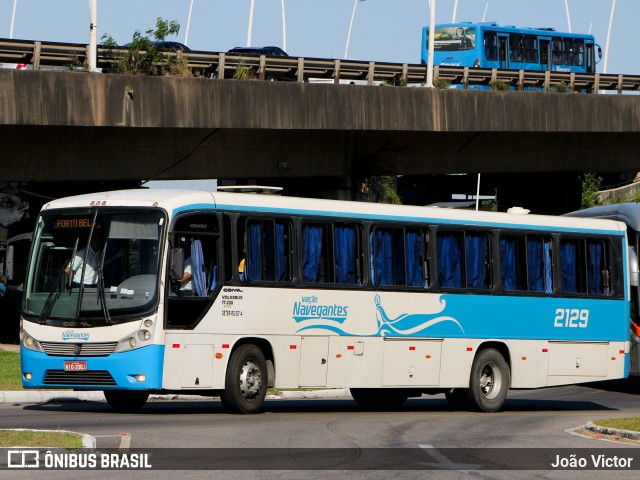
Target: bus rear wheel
380,398
126,400
489,382
246,380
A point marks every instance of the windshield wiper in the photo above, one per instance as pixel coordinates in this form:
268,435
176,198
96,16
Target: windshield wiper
102,297
52,298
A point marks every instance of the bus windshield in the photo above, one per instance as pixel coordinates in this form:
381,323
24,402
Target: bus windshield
98,267
449,39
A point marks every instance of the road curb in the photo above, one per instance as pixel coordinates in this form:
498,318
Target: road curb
53,396
628,434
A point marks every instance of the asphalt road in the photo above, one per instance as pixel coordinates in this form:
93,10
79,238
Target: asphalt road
531,419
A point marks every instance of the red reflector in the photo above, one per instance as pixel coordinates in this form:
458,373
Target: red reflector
350,347
469,349
21,66
545,350
293,347
412,348
225,345
175,345
621,352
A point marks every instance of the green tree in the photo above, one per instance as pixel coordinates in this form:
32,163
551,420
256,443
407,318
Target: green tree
381,189
142,57
590,188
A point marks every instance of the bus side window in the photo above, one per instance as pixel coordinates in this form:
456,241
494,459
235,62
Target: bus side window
450,258
314,253
491,46
598,267
477,255
572,265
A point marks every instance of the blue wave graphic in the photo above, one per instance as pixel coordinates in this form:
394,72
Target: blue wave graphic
405,324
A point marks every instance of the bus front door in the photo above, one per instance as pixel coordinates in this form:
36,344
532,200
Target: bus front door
545,55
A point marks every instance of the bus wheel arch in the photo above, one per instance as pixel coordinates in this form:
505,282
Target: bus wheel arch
490,377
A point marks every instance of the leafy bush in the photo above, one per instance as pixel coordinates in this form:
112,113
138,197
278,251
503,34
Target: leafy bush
142,57
499,85
590,188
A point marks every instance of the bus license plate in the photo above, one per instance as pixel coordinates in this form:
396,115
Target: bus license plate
75,366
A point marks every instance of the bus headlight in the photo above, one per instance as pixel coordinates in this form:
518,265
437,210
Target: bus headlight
31,343
132,342
144,335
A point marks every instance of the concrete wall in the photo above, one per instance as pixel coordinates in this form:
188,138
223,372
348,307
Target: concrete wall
67,126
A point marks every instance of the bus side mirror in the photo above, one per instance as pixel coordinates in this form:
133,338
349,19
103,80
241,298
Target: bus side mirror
599,53
634,270
177,263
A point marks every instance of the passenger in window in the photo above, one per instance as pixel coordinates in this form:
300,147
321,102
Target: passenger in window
241,267
94,257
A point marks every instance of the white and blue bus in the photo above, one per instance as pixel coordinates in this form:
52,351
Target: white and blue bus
489,45
629,213
389,301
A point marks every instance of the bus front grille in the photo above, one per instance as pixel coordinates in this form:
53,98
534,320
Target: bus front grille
91,377
79,349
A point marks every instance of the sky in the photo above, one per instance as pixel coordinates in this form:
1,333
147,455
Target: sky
383,30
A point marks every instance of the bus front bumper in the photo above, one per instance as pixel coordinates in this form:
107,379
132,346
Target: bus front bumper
139,369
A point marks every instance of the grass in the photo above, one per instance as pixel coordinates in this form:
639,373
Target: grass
10,378
30,438
632,423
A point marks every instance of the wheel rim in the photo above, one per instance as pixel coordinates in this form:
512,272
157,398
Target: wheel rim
250,380
490,380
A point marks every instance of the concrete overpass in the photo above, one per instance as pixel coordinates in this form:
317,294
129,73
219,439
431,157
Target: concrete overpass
63,126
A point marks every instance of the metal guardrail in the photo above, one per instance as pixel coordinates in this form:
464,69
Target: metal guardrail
300,69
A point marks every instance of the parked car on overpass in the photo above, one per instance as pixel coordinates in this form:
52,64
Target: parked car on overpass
269,51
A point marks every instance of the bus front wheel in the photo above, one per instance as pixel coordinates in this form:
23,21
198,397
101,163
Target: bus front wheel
489,382
246,380
126,400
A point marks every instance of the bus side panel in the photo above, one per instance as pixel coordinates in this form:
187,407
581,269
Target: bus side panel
576,362
173,361
355,362
411,362
528,363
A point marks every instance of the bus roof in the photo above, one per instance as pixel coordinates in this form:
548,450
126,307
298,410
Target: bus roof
493,26
176,201
629,213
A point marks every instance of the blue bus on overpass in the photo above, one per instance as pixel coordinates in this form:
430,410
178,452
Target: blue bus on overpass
489,45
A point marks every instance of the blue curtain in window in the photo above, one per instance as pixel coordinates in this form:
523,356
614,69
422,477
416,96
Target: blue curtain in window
281,256
535,264
595,267
197,265
383,257
415,267
253,267
268,252
568,258
449,265
508,263
548,276
311,251
399,260
476,251
345,249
